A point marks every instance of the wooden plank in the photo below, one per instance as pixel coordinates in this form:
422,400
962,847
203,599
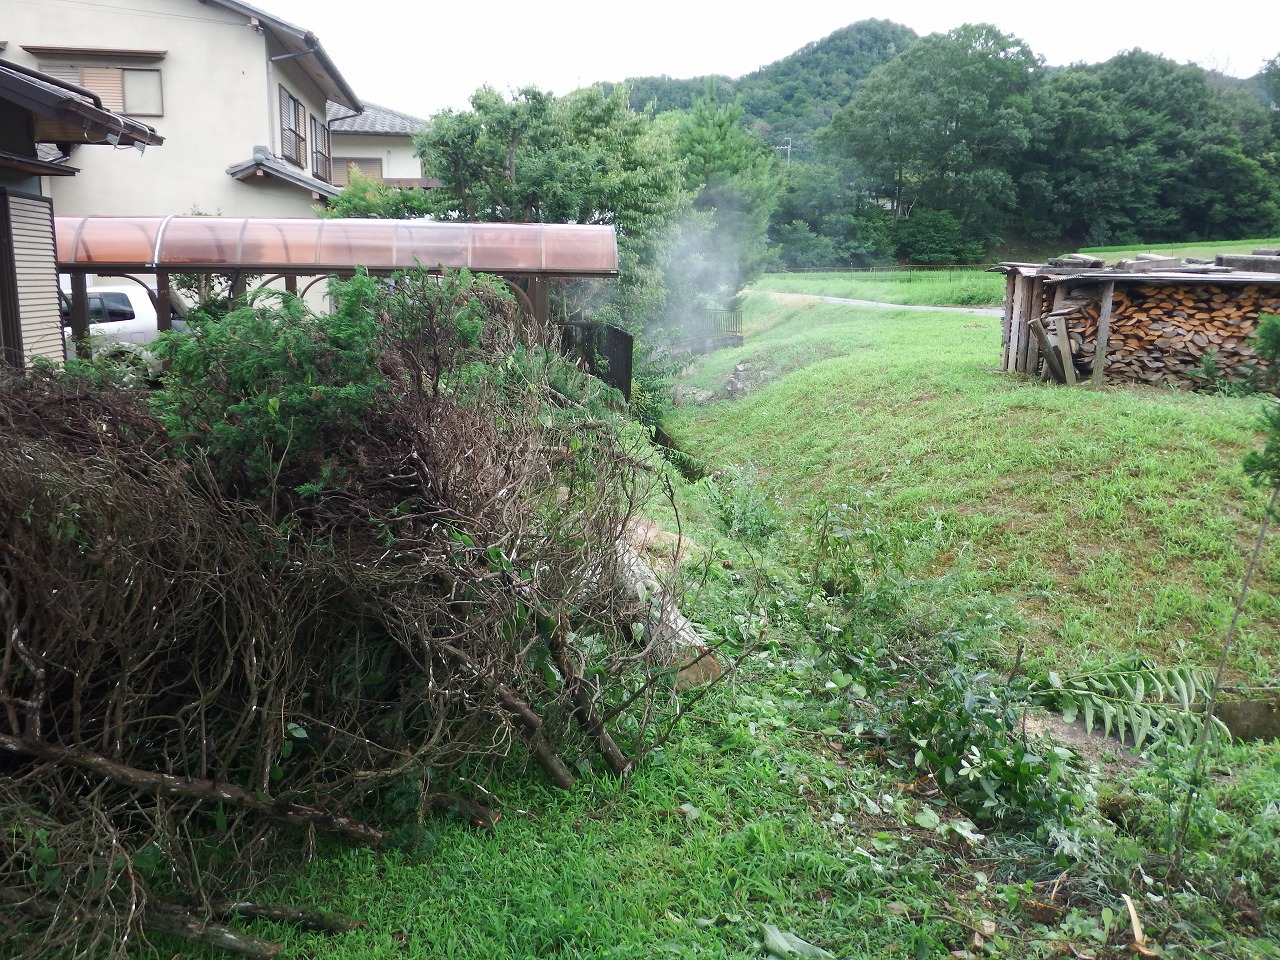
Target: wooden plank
1006,324
1052,362
1064,348
1024,334
1033,313
1104,334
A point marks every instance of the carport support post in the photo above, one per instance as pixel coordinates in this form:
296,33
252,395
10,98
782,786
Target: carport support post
539,295
1104,335
164,303
80,315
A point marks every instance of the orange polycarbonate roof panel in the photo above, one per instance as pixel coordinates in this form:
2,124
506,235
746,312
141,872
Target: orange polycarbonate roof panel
578,248
109,240
325,245
201,240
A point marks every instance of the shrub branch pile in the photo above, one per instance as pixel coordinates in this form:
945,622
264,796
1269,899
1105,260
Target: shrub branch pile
329,563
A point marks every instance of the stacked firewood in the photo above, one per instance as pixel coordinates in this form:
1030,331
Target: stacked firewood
1162,333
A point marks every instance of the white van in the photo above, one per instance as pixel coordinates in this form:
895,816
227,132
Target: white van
122,320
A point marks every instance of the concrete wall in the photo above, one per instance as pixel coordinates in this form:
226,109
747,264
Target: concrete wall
220,101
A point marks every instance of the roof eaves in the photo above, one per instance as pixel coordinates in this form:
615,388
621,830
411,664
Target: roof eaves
257,165
50,98
35,166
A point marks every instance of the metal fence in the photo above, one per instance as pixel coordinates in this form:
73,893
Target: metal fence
720,323
606,350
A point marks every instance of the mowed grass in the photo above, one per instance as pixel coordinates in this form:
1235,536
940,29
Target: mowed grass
1106,522
1205,249
971,287
743,820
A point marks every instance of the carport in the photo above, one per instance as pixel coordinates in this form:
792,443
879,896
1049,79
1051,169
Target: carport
300,253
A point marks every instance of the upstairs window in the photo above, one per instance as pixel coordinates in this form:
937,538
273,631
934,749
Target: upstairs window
293,129
132,91
321,163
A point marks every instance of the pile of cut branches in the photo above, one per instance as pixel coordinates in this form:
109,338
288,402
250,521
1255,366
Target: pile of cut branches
332,560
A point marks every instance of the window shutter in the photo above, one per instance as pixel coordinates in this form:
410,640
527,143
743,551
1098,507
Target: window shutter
371,168
36,276
108,84
63,71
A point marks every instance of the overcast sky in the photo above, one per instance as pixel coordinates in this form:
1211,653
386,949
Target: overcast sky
420,56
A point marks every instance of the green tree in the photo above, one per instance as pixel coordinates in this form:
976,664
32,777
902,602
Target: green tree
823,219
1143,149
943,127
584,158
733,176
374,199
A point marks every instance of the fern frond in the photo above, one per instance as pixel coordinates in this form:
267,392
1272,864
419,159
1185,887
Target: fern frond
1133,698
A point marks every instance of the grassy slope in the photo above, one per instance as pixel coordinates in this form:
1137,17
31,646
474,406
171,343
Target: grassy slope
1196,248
974,288
1113,521
748,817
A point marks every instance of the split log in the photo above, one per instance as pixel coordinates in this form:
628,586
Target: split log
1160,331
673,636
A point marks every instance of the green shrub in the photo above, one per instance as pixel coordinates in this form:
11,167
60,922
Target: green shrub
964,728
273,384
744,503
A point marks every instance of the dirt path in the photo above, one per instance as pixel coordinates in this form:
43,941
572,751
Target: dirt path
975,311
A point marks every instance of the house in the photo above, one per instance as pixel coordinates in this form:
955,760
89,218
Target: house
36,112
243,98
379,143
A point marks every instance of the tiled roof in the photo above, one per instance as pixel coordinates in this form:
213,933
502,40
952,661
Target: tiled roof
375,120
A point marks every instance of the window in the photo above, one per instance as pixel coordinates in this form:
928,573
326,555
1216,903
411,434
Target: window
371,168
321,165
293,128
133,91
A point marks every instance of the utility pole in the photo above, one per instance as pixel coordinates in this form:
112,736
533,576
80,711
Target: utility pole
787,147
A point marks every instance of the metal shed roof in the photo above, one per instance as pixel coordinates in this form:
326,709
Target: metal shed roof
315,246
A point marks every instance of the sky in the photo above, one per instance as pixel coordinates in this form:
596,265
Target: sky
421,56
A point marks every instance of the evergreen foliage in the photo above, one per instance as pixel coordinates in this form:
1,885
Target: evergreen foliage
733,177
584,158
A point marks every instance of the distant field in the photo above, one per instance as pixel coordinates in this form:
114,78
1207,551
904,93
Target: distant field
1196,249
964,287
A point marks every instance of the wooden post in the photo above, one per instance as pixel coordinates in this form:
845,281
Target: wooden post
1052,364
1006,327
1018,351
1064,348
164,303
1104,335
1030,354
80,315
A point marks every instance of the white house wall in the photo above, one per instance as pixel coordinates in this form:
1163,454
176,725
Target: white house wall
219,103
396,153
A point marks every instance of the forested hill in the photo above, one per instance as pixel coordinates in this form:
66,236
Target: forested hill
796,96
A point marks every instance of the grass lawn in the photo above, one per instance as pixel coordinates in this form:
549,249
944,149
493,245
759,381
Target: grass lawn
773,824
959,287
1107,522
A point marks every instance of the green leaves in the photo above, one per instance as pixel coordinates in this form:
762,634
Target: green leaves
783,944
1133,698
